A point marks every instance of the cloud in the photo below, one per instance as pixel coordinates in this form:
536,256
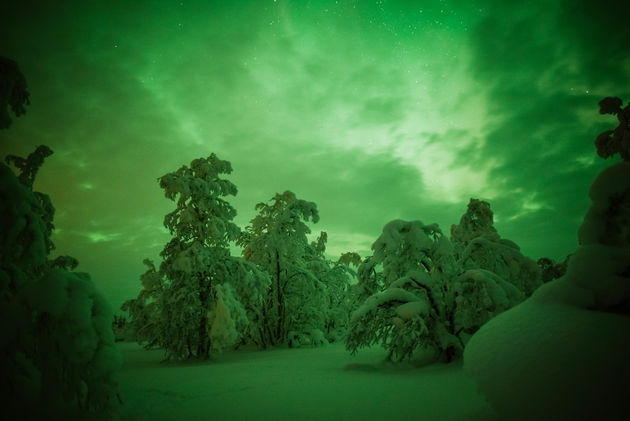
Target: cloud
373,111
543,80
101,237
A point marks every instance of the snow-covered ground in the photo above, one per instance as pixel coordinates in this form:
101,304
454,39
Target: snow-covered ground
294,384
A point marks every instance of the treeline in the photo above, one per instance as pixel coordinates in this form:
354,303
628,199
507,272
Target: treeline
419,291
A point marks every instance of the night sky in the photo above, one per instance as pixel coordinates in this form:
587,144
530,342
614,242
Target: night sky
374,110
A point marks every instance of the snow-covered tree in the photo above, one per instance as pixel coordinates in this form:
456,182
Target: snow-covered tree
478,245
421,292
336,278
198,310
144,311
276,241
56,339
415,309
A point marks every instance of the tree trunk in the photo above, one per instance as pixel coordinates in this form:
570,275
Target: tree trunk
280,328
203,347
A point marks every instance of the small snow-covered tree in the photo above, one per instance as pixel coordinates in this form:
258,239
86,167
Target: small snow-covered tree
276,241
144,311
196,303
478,245
336,278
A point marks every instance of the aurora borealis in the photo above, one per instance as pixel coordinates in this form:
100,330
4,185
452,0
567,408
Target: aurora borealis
374,110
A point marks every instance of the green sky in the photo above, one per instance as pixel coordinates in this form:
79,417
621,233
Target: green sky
375,110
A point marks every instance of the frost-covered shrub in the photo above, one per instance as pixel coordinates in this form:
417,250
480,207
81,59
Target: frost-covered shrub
56,339
306,338
341,293
226,318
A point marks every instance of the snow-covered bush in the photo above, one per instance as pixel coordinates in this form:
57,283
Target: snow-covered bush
480,295
563,353
199,312
56,339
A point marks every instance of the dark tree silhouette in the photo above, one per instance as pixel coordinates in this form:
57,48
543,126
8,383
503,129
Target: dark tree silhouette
611,142
13,91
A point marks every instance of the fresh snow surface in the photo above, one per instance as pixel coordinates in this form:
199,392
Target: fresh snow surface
324,383
549,359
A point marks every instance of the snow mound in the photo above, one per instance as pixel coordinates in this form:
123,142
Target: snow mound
563,353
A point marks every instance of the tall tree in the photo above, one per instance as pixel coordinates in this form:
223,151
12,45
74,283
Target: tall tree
197,264
276,241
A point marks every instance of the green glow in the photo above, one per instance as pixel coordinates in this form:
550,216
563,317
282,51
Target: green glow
101,237
373,110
